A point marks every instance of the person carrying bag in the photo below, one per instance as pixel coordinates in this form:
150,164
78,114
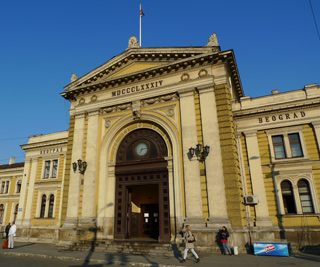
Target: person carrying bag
189,240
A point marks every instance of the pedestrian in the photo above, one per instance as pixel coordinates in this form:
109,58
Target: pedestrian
224,234
7,230
189,240
12,234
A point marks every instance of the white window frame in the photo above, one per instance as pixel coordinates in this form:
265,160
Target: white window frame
5,181
294,182
48,193
51,168
285,133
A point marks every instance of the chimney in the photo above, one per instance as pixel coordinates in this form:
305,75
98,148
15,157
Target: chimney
12,160
274,92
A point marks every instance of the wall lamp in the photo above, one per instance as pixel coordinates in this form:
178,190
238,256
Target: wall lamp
201,153
81,165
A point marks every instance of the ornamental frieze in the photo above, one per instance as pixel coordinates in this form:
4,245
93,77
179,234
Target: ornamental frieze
160,99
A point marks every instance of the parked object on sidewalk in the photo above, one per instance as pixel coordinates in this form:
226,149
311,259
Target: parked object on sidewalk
271,248
5,244
235,250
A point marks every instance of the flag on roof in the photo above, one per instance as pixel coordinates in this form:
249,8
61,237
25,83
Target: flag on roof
141,12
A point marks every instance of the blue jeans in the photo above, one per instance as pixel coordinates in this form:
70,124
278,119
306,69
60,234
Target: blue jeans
225,247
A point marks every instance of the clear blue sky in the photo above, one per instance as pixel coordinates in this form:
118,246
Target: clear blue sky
43,42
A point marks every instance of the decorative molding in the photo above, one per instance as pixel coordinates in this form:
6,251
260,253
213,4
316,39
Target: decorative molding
185,77
202,73
170,112
160,99
116,108
94,98
107,123
133,42
82,101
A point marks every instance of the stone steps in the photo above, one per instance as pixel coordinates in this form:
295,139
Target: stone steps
139,247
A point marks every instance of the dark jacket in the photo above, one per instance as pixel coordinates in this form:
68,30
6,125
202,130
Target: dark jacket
7,230
224,234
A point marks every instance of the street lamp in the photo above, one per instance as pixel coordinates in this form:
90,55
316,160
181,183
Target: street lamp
200,151
80,165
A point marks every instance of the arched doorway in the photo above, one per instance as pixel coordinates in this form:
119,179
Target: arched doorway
142,188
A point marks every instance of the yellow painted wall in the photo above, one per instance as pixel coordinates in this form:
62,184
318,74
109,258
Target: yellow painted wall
230,160
67,171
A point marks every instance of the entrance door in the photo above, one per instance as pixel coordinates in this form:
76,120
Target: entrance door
150,220
142,187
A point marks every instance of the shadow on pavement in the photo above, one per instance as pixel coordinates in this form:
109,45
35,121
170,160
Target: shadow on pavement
25,245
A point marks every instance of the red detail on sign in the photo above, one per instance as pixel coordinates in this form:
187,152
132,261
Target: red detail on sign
269,248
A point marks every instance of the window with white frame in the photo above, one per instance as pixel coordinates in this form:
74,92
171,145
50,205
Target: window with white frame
18,186
287,143
298,200
4,187
43,206
50,167
1,213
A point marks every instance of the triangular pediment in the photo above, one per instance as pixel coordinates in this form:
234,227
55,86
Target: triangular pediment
135,60
134,67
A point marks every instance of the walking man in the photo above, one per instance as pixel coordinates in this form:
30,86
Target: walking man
12,234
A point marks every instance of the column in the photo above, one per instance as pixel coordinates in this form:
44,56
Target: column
258,189
192,182
75,177
316,126
90,176
23,192
214,170
28,206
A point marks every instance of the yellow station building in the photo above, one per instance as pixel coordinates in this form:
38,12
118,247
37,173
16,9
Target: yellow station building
164,137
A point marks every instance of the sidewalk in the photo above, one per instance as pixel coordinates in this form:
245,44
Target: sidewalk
27,249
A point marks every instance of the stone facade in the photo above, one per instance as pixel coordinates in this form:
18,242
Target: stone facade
169,139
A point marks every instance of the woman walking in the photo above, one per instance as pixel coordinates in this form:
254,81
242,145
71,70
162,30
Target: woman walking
189,240
224,234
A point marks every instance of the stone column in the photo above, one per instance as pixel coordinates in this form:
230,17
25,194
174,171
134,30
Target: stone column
75,177
316,126
23,192
28,211
89,186
258,189
192,182
214,170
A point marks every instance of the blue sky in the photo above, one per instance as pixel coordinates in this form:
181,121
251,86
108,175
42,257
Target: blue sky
43,42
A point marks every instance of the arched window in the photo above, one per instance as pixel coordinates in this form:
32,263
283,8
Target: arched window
305,196
15,212
1,213
43,206
288,198
50,212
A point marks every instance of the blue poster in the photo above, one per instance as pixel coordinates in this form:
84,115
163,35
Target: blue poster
270,248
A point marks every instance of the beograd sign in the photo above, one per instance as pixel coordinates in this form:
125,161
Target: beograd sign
137,88
281,117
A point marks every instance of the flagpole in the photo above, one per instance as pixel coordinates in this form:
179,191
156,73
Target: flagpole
140,27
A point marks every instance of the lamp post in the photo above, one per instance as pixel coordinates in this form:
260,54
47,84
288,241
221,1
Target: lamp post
201,152
80,165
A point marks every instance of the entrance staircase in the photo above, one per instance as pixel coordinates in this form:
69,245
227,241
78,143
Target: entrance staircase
130,247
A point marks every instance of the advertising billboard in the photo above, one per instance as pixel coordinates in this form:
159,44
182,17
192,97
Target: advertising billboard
271,248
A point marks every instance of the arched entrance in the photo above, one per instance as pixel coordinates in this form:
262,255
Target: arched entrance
142,188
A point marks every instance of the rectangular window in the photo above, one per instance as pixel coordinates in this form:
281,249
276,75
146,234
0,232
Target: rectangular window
279,149
54,168
47,169
7,187
295,145
18,186
3,185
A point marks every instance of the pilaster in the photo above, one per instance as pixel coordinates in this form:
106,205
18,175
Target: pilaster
75,177
258,188
214,170
316,126
90,175
194,214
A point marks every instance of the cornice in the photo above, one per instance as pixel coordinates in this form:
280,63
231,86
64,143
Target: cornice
178,65
44,144
256,112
